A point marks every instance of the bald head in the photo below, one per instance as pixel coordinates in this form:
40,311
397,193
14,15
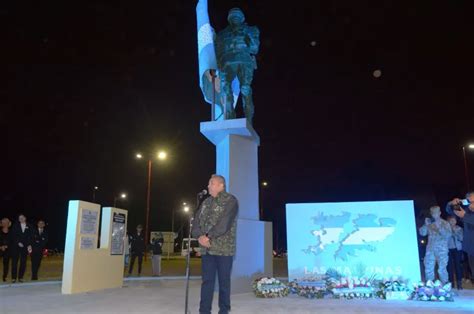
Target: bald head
216,185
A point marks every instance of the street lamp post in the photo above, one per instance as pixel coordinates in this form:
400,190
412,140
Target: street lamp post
94,189
121,196
466,171
264,185
161,156
185,209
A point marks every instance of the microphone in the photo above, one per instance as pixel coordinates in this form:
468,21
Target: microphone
202,193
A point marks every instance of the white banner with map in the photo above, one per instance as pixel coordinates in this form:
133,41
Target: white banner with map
356,239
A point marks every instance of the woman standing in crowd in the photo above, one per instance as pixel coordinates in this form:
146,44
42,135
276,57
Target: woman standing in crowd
5,243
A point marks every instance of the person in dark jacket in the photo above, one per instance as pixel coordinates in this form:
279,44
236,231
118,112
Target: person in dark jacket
455,252
40,238
465,211
137,249
5,243
157,251
22,238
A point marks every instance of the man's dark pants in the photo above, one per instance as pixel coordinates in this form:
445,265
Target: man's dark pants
19,254
454,267
132,262
36,257
6,262
212,265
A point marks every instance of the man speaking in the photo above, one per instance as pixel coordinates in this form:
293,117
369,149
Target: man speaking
215,227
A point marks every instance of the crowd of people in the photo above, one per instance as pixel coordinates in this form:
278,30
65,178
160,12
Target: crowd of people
450,246
18,241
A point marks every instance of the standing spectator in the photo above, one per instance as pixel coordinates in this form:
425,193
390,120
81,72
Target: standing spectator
438,231
40,238
22,237
465,211
157,251
5,243
455,252
137,248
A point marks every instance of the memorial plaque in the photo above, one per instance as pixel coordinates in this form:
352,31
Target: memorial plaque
88,243
89,220
118,234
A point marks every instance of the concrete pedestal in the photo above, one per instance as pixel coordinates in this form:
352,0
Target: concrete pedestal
86,267
237,160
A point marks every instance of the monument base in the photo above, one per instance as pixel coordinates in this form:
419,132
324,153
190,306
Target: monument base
237,160
254,256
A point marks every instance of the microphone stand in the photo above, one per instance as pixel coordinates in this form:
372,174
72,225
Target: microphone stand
188,255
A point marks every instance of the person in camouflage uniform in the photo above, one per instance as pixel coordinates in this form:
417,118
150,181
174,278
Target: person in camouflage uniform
438,231
215,225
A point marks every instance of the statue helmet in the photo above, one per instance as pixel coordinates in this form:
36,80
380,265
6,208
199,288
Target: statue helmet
234,14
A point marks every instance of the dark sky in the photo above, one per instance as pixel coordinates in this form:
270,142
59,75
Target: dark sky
86,85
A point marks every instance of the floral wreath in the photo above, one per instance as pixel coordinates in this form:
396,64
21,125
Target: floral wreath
432,291
311,288
352,288
269,288
394,288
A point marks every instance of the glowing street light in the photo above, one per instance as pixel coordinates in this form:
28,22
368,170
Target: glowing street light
162,155
121,196
139,156
186,209
470,146
265,183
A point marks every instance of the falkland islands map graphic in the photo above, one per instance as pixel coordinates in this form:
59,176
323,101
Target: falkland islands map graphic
343,235
354,238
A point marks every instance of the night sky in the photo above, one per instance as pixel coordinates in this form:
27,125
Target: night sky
86,85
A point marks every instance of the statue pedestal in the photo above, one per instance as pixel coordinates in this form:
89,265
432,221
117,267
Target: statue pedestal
237,160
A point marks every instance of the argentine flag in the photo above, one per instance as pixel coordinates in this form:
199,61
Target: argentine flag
208,61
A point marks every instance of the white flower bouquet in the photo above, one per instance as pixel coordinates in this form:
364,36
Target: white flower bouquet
269,288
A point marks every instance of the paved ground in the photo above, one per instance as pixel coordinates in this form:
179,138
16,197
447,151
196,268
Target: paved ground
167,296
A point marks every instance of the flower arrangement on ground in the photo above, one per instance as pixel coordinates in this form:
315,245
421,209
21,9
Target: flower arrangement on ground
432,291
311,288
352,288
269,288
394,289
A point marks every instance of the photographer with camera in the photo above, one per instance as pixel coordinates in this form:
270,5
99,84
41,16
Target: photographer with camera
464,209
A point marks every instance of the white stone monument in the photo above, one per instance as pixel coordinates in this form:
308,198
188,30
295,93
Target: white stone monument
86,267
237,160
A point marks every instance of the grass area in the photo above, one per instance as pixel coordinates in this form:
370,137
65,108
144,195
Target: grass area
52,268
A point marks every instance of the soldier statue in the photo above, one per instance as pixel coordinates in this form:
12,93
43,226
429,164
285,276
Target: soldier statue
236,47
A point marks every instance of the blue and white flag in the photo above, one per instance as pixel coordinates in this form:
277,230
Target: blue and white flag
208,61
